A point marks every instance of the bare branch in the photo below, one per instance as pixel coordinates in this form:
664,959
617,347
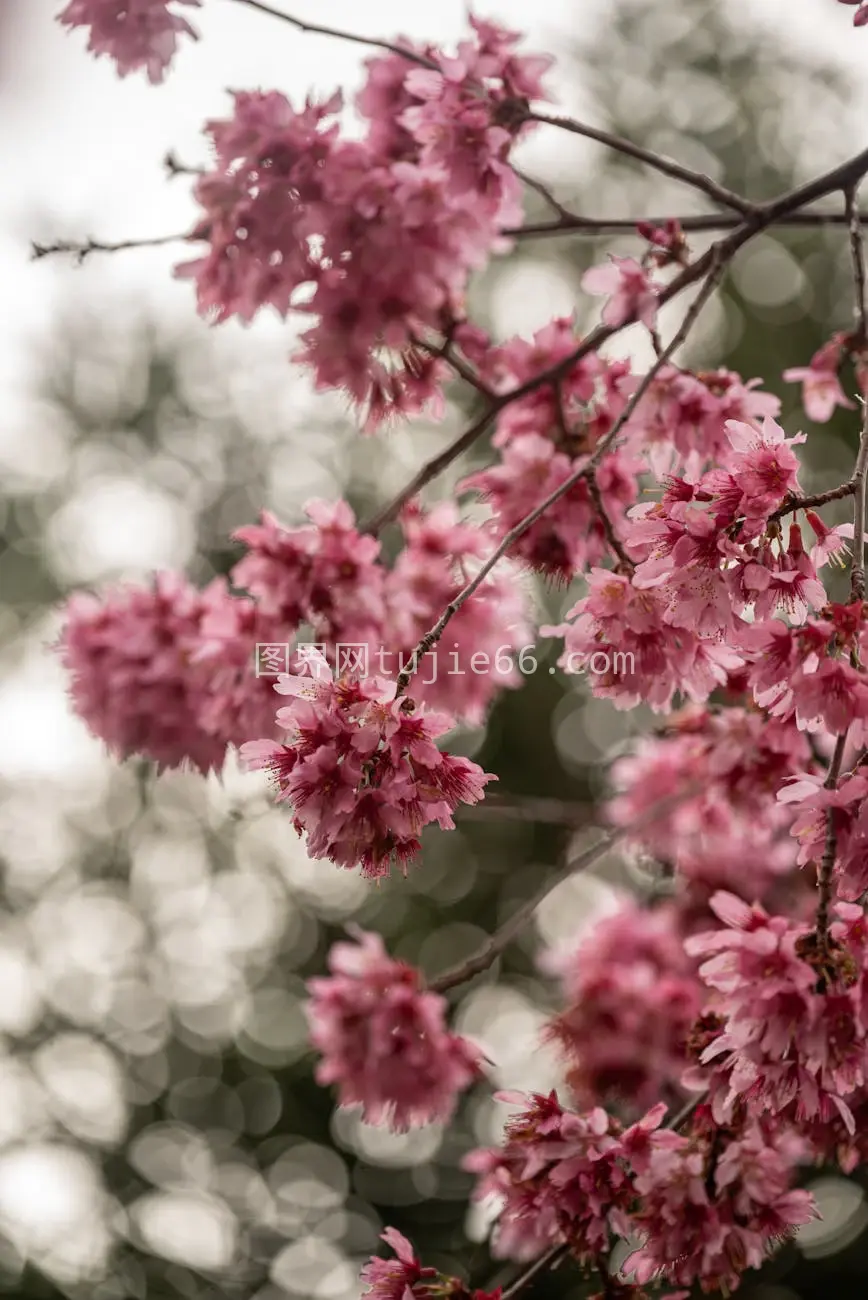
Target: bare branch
667,166
83,250
857,252
572,224
318,30
502,938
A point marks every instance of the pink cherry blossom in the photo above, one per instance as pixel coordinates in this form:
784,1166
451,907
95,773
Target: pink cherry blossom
366,774
630,997
384,1040
135,33
628,288
712,1207
728,833
480,655
132,680
790,1045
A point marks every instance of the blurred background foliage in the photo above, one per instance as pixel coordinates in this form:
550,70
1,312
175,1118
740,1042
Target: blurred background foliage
160,1132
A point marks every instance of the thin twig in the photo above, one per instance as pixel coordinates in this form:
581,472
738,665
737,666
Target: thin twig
83,250
526,808
680,1118
857,253
818,499
318,30
503,937
551,1257
614,542
857,571
447,353
824,875
175,167
572,224
667,166
545,193
432,468
583,472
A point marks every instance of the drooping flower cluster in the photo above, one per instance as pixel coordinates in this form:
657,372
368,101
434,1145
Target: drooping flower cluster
630,997
793,1013
812,673
324,574
546,437
360,769
132,676
714,1204
814,803
135,33
729,763
374,238
404,1278
561,1177
384,1040
706,1205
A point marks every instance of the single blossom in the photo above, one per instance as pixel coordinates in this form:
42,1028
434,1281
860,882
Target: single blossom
629,290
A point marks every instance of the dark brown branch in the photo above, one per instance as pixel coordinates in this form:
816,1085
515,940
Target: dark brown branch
818,499
824,875
763,216
667,166
551,1257
857,253
502,938
318,30
571,224
83,250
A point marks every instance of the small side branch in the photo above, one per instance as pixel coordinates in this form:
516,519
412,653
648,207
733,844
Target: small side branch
318,30
502,938
585,471
569,223
81,250
667,166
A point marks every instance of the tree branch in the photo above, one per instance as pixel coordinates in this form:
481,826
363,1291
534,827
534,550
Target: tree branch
585,471
318,30
857,253
762,216
83,250
667,166
571,224
503,937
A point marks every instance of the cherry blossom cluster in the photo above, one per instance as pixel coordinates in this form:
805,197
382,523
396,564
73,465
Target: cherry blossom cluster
677,499
405,1277
729,831
136,34
360,769
383,1038
373,238
630,996
567,1178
